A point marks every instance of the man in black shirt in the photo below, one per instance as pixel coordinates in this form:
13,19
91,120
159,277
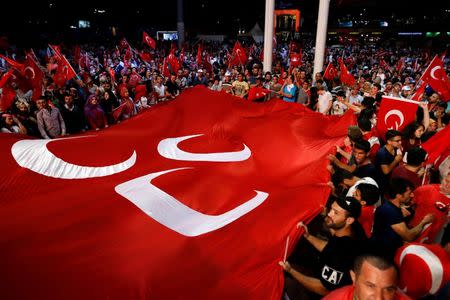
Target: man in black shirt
336,254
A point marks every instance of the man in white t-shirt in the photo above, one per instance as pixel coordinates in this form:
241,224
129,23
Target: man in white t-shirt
325,100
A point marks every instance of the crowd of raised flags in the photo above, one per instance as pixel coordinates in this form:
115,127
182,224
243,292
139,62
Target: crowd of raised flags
398,97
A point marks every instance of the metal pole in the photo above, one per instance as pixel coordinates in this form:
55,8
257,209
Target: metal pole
180,23
268,35
321,35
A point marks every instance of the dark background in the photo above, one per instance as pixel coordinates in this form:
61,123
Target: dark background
43,21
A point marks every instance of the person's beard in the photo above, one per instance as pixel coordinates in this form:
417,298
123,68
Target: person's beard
330,224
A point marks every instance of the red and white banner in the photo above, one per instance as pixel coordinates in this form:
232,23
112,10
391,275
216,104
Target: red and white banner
330,72
346,77
395,113
148,40
435,76
198,205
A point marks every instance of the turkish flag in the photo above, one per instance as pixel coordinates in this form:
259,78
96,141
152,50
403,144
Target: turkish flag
238,56
257,92
384,64
330,72
123,43
64,72
346,77
199,58
435,76
172,62
395,113
5,77
296,59
7,94
437,146
424,269
145,56
13,63
400,65
148,40
34,75
198,205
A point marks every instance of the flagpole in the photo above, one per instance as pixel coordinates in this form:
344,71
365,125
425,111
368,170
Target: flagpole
321,35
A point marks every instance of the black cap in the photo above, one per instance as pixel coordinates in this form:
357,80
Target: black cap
351,205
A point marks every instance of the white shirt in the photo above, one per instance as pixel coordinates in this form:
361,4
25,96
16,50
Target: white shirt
324,101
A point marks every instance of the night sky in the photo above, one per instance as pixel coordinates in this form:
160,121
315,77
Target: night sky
201,16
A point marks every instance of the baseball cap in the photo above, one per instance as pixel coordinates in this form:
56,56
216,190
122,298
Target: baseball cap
199,71
406,88
351,205
227,73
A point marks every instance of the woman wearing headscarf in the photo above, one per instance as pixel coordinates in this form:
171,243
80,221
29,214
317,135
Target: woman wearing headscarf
94,114
126,108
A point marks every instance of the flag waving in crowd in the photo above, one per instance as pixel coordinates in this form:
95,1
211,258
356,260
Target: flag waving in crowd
208,186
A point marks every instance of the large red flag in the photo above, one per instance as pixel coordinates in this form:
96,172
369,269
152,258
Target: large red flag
196,206
346,77
148,40
395,113
330,72
435,76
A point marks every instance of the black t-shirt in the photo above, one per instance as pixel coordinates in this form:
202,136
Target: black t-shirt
336,261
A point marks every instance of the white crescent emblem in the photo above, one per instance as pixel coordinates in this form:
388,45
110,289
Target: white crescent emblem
32,71
66,70
34,155
147,39
395,112
432,261
168,148
434,70
173,214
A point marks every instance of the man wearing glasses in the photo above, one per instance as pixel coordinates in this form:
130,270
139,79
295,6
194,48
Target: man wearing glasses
389,156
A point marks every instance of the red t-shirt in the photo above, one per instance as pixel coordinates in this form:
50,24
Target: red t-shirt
346,293
429,199
401,172
366,219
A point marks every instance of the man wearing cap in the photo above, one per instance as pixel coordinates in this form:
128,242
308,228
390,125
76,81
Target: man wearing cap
406,92
227,84
200,78
336,255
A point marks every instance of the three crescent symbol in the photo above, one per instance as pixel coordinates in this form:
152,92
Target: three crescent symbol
34,155
395,112
431,260
433,71
32,71
170,212
168,148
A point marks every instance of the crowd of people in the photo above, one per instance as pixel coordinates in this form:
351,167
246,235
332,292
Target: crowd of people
371,210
